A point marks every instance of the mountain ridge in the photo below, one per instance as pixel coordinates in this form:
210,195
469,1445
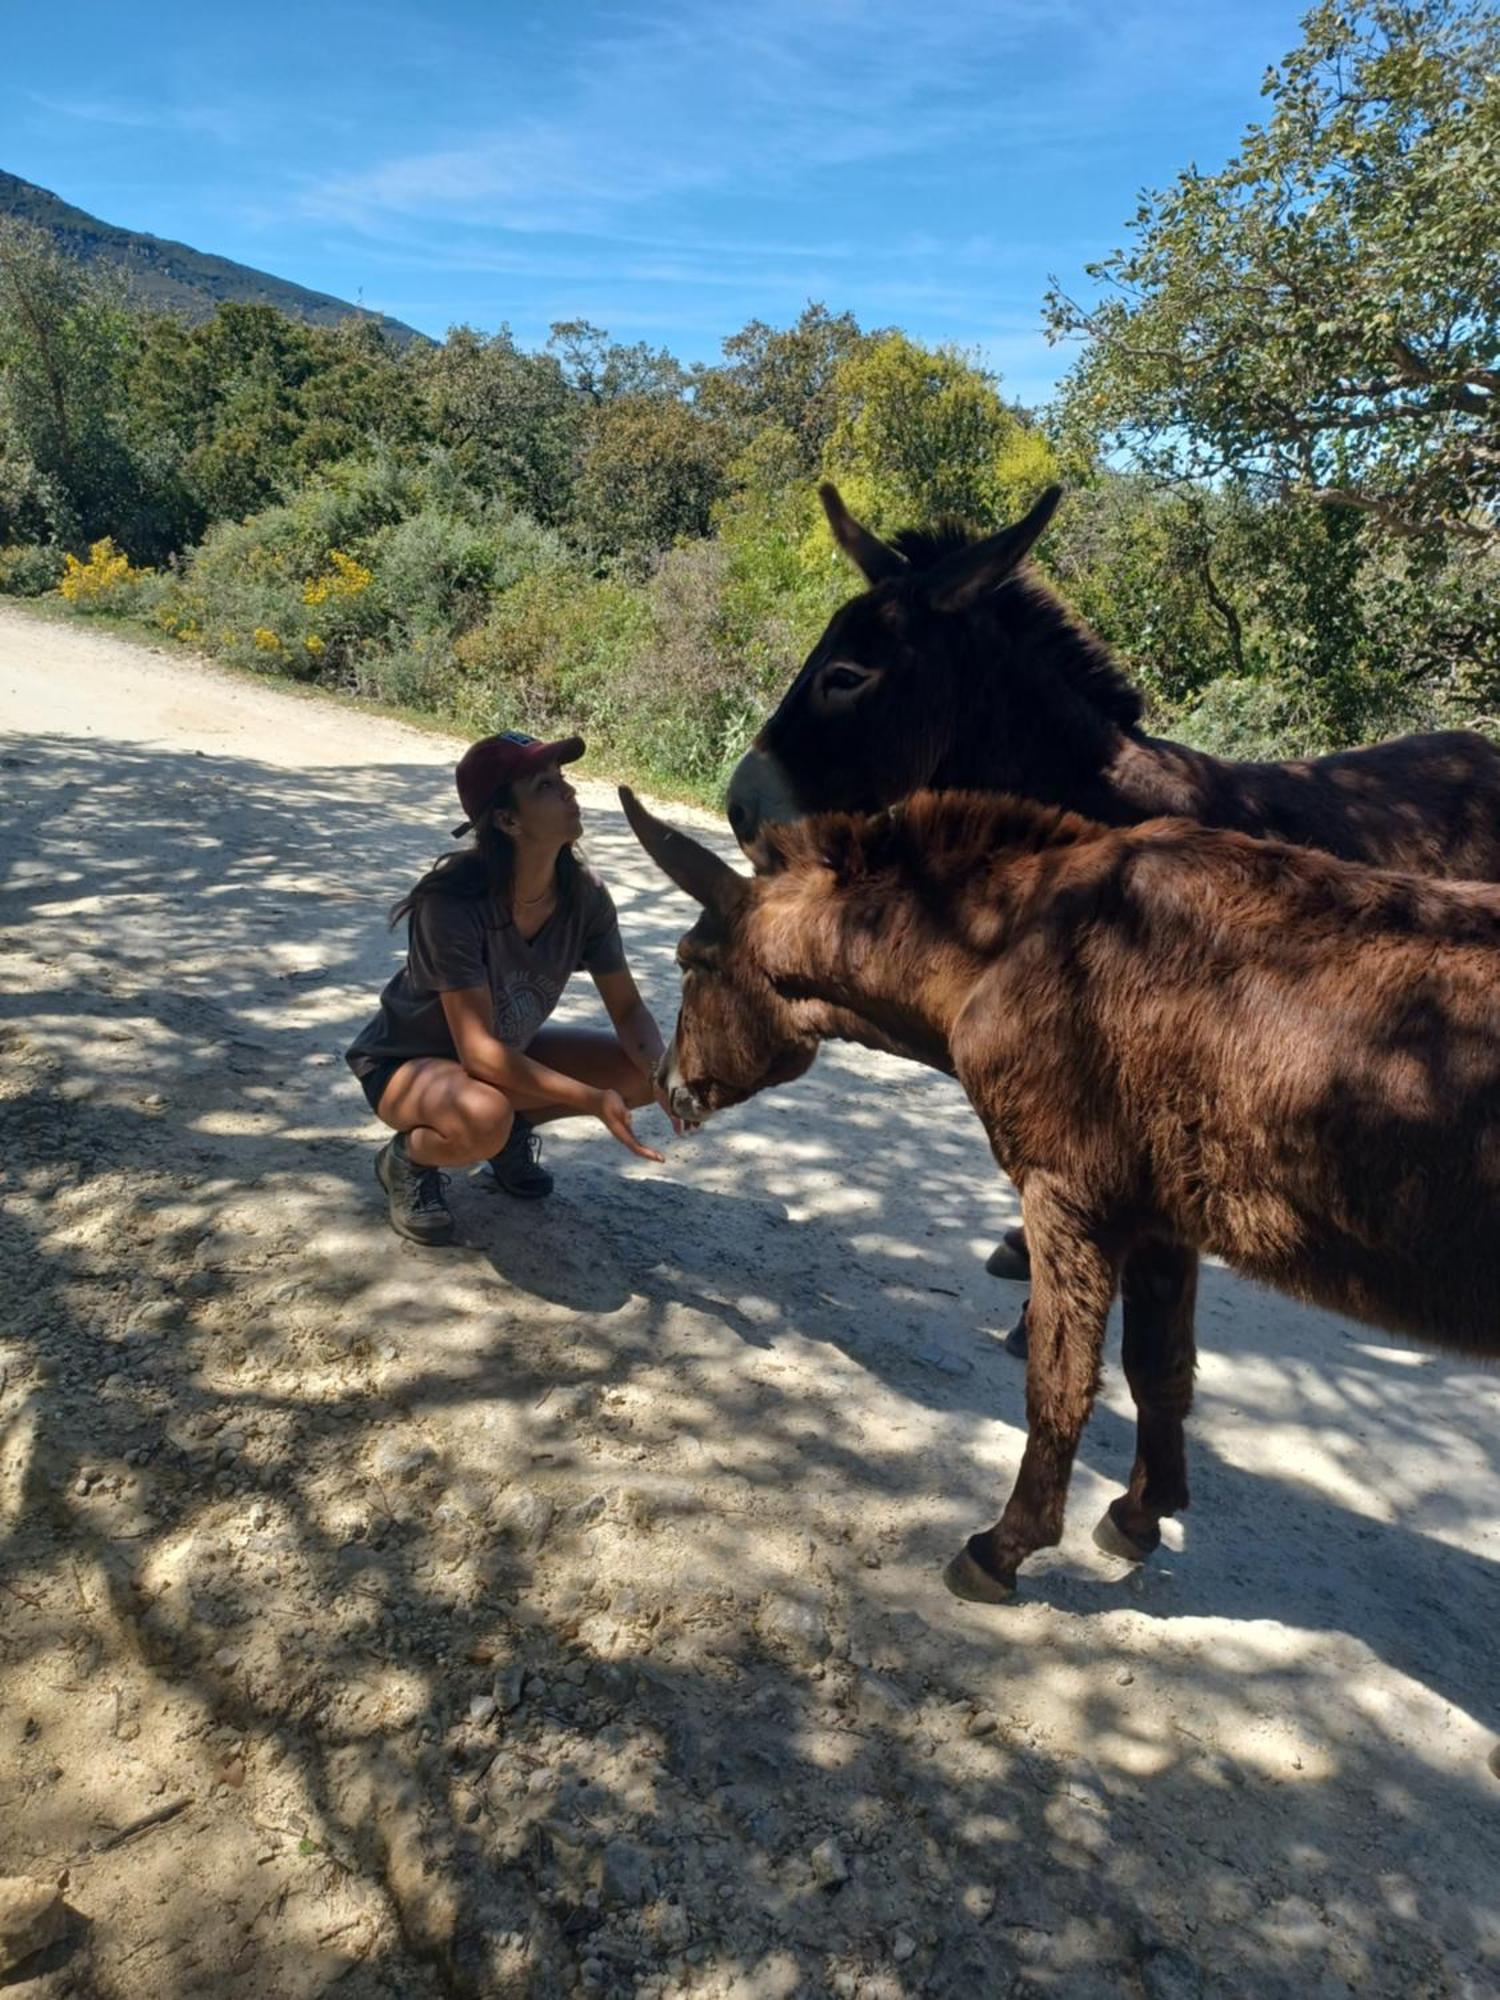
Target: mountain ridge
168,276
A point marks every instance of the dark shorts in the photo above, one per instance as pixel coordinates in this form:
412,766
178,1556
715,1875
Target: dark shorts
374,1081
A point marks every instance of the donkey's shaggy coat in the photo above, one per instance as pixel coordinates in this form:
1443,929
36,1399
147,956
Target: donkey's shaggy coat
1178,1039
959,668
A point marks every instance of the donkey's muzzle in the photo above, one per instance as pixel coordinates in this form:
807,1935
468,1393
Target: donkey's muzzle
744,819
758,793
685,1106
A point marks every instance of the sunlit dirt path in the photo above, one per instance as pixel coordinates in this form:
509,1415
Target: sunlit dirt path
561,1612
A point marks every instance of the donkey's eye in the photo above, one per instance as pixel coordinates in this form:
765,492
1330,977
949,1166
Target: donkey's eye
844,680
843,683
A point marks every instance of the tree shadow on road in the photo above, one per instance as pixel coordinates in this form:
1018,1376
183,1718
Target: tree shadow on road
668,1467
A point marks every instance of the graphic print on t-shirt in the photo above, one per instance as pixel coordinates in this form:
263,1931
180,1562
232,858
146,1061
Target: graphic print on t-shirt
523,1006
455,944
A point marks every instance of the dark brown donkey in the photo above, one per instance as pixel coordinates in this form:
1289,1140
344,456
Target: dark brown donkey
1177,1039
960,669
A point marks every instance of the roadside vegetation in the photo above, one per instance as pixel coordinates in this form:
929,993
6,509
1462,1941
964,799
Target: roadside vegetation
1279,437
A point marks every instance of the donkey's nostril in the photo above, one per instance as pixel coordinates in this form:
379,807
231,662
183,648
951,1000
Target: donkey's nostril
740,818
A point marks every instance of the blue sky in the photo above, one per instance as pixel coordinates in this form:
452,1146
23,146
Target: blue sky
668,171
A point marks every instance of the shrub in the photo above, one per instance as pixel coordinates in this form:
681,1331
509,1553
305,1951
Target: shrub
30,569
1236,716
414,672
344,578
553,652
688,703
782,581
439,568
295,575
106,582
362,580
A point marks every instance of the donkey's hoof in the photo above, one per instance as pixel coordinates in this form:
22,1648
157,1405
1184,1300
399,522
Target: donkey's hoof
974,1585
1018,1340
1116,1540
1495,1760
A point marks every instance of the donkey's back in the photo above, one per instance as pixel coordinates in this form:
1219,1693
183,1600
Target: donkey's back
1288,1061
1426,804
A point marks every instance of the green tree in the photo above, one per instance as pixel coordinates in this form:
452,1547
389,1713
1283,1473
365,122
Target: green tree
922,432
599,369
362,395
1322,318
240,410
66,342
510,419
650,470
782,380
1155,572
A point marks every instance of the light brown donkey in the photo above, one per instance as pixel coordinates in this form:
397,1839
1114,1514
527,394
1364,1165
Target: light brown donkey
1177,1039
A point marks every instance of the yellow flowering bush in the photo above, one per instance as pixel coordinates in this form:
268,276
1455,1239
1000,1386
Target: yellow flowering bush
106,582
175,615
344,577
338,618
266,641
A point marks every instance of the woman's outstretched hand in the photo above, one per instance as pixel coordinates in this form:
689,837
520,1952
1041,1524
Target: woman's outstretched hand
614,1115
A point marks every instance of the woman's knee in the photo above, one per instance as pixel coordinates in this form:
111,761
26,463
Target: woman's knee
483,1117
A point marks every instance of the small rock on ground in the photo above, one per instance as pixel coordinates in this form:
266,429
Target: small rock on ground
32,1916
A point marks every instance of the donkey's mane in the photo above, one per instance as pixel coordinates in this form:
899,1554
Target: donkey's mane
1063,643
925,548
950,830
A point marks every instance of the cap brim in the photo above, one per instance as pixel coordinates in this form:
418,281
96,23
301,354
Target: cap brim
537,756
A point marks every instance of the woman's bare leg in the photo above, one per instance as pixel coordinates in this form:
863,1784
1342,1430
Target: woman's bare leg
451,1119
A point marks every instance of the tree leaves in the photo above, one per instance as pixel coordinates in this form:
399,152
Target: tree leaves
1323,316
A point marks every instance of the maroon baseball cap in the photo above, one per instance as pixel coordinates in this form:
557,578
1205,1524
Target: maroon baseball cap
500,760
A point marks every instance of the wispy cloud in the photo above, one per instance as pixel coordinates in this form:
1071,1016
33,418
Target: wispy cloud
911,281
235,121
669,166
94,111
218,121
716,97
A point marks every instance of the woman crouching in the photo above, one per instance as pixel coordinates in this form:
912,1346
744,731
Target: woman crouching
457,1061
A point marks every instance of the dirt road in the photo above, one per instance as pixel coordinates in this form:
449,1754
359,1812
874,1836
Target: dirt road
560,1613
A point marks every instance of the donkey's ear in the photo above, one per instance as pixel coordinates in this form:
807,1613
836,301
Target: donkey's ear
955,584
694,868
876,560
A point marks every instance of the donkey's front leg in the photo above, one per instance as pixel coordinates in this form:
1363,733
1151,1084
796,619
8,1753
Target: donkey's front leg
1159,1288
1073,1284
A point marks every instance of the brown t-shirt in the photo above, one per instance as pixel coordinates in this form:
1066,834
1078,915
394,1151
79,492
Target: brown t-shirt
455,941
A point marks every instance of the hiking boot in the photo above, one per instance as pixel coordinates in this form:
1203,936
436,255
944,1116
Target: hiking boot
417,1207
517,1166
1011,1258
